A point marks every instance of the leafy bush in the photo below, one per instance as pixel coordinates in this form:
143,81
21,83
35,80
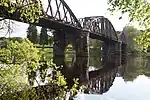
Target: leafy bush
20,62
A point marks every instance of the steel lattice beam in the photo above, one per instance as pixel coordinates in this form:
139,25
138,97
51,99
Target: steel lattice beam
99,25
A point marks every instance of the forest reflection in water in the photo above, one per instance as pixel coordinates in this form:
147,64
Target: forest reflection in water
131,81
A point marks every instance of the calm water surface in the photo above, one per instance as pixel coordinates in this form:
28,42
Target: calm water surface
132,82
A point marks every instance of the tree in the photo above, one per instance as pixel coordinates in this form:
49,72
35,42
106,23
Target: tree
18,63
132,33
28,9
43,36
144,40
32,33
139,12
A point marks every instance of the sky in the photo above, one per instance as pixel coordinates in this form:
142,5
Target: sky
81,8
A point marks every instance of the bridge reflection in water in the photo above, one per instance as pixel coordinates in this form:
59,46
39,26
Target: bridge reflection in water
101,80
98,80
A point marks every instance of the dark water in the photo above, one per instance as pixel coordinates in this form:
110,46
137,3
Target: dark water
131,81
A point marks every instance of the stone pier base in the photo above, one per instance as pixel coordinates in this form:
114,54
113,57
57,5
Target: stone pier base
80,60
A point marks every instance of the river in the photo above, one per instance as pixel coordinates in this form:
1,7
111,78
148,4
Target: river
132,82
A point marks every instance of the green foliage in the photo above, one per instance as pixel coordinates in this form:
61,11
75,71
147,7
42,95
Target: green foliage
19,52
132,34
19,39
144,40
19,63
31,10
46,54
12,78
139,12
74,90
23,54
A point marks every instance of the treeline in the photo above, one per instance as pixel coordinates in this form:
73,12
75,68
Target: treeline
19,39
133,46
43,38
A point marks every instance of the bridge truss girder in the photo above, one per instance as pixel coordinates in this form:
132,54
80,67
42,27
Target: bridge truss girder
100,26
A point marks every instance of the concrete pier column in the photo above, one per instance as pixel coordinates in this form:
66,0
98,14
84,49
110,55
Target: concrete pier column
111,52
117,53
59,47
105,48
123,53
82,56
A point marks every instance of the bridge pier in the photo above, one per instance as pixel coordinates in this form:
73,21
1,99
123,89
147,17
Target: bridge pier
80,60
105,47
59,48
82,57
123,53
111,52
117,50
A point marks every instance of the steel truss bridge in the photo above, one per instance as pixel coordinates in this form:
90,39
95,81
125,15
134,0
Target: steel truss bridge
57,16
